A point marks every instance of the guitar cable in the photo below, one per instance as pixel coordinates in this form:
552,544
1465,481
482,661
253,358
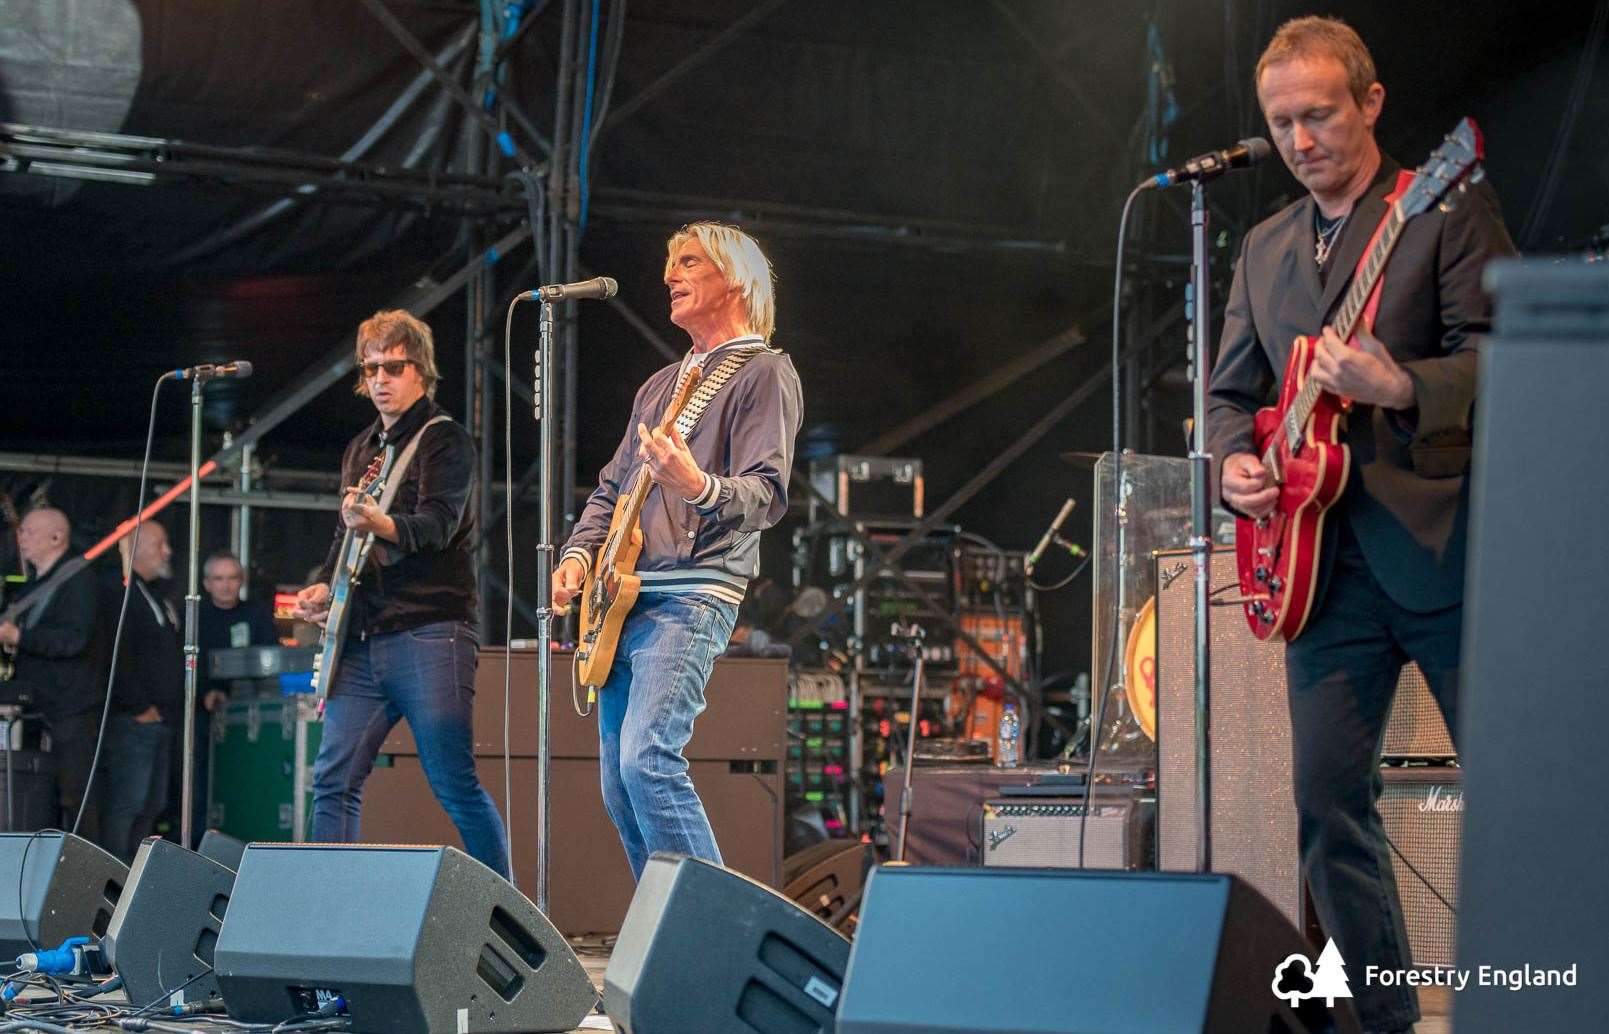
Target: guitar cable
1099,690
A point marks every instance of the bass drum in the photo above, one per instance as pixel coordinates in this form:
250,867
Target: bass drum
1139,668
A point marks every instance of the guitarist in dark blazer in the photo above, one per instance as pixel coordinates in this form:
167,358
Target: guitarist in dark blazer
413,639
1391,588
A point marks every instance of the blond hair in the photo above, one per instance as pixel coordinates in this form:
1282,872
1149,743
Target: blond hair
391,328
741,262
1319,36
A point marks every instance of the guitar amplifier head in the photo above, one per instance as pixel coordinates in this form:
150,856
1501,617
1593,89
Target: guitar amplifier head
1043,832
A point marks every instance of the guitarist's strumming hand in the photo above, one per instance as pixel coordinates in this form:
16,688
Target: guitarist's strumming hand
1246,487
9,634
670,463
313,604
568,579
1364,374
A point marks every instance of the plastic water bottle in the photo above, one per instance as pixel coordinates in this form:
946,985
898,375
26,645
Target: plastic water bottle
1010,732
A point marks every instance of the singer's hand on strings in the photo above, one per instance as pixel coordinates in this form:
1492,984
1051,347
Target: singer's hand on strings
1366,374
313,604
1246,487
670,462
568,579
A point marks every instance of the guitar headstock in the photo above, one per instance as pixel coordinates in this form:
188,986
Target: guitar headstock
1454,164
372,483
684,392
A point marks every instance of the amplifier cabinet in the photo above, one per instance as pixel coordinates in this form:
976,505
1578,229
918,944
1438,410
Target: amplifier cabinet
1043,832
1253,810
1423,811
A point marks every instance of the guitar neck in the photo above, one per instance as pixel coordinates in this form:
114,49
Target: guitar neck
1346,322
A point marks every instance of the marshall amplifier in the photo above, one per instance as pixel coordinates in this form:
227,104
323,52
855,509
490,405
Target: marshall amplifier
1423,811
1043,832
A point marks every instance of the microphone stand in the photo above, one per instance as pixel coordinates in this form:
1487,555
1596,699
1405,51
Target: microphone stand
913,636
1197,304
544,610
192,615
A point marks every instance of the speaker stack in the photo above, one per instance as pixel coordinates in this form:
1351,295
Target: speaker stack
163,934
707,949
415,940
57,886
1036,951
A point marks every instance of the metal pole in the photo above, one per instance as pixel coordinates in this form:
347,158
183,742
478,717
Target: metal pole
248,456
913,635
192,614
1201,514
544,603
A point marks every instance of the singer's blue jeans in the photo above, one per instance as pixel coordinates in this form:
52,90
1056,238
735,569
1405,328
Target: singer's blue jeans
426,675
645,718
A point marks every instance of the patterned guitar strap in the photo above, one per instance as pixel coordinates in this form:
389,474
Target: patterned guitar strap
712,383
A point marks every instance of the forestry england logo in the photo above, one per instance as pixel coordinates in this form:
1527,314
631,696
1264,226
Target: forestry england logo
1296,979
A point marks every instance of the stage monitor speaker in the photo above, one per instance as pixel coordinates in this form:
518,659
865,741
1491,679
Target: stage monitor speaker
1533,714
707,949
163,934
827,879
417,940
1069,951
1423,811
1253,811
222,848
59,886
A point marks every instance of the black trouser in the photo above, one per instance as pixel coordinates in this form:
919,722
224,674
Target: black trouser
1343,673
72,743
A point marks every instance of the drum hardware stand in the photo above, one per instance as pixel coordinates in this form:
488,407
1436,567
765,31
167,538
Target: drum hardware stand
913,634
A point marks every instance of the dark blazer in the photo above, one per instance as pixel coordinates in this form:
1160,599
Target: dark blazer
1407,501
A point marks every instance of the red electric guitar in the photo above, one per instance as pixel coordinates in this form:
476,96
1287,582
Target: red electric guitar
1300,438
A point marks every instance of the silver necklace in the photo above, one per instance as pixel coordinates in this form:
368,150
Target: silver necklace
1325,239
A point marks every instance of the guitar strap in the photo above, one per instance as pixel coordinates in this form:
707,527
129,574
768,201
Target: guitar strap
712,383
1404,181
400,468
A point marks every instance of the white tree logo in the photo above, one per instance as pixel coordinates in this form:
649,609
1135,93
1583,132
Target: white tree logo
1296,979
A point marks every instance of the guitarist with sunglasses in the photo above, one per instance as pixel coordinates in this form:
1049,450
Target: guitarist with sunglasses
714,488
1391,562
412,640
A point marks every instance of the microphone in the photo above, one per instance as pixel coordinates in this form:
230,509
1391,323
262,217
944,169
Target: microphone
1213,164
1045,539
212,371
597,287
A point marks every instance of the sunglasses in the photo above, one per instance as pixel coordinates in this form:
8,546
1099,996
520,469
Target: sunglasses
392,367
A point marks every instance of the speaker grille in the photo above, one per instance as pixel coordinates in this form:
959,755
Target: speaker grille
1253,810
1423,811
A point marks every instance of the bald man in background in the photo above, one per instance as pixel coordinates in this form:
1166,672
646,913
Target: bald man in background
59,663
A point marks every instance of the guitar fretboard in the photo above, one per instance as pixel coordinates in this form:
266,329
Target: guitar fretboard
1346,322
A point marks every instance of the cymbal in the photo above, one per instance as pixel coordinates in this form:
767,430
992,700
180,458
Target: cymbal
1082,459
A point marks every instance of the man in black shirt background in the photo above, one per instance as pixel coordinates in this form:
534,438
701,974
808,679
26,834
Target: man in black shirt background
59,667
147,698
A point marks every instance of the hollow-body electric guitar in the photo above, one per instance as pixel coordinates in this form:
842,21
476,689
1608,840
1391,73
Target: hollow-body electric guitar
354,554
1300,439
612,586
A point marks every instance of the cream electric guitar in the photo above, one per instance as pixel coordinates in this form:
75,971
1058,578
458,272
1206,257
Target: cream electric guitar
612,586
